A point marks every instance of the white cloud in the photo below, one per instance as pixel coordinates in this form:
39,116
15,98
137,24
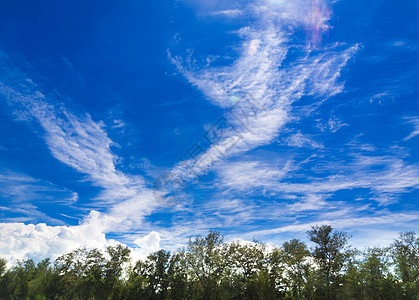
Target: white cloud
18,240
76,140
263,75
21,196
150,241
253,47
251,174
351,222
299,140
314,16
19,188
82,144
385,177
258,90
369,231
228,12
415,132
381,96
333,124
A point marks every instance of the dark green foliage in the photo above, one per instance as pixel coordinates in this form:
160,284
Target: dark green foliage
208,268
295,254
405,254
328,253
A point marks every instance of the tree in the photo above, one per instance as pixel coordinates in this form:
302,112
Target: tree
248,268
158,273
205,262
81,274
378,283
352,279
113,268
208,268
3,283
3,266
178,278
137,283
295,254
43,284
405,253
328,253
19,277
276,270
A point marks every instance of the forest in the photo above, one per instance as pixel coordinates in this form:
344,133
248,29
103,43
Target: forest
209,268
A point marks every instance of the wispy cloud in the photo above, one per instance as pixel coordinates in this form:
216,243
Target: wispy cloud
415,132
21,195
385,177
299,140
261,75
356,223
74,139
19,188
228,12
82,144
258,93
333,124
248,175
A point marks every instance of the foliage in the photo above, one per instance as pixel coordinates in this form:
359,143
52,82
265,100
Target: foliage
208,268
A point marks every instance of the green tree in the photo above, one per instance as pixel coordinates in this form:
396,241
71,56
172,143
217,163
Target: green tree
178,279
295,255
113,270
3,282
405,253
158,274
377,281
137,283
81,274
352,278
328,253
19,278
205,263
44,283
277,270
247,266
210,269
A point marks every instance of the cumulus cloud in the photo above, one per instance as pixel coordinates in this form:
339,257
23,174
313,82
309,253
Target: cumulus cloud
38,241
18,240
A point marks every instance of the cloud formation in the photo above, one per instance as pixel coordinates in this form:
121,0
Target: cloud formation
82,144
275,70
258,89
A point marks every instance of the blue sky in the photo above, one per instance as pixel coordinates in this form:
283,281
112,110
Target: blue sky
147,122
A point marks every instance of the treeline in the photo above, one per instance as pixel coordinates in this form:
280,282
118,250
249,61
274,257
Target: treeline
208,268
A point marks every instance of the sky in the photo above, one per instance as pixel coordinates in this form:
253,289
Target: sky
149,122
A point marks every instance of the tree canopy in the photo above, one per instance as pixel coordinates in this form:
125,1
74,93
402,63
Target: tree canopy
209,268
